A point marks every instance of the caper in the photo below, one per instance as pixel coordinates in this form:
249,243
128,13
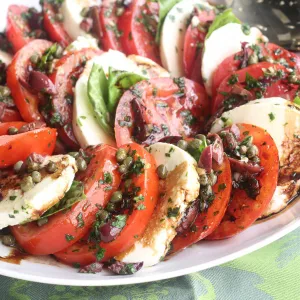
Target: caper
27,184
59,51
74,154
203,179
8,240
247,141
116,197
4,91
103,215
243,149
81,164
256,159
182,144
18,165
85,12
128,161
127,183
268,59
59,17
293,78
51,167
213,178
121,155
42,221
110,207
34,58
206,192
36,176
195,144
50,67
162,171
12,131
122,169
252,151
253,59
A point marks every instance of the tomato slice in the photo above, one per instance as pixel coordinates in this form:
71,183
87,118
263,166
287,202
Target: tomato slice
77,221
67,69
136,222
256,80
269,50
9,115
139,28
109,26
17,72
18,29
54,28
5,126
161,107
193,43
18,147
209,220
242,210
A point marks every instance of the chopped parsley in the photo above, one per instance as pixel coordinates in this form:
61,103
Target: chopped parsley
100,254
69,237
173,212
12,198
246,29
80,220
233,79
141,207
271,116
222,187
119,221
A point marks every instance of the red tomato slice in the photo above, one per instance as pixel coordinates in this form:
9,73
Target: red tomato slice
136,221
161,107
109,26
209,220
18,147
66,69
277,87
17,72
54,28
5,126
18,29
242,210
272,51
193,43
139,28
77,221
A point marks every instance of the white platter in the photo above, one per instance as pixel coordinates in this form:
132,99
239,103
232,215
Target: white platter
199,257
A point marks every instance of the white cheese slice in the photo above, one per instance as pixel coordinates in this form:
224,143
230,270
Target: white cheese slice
180,188
82,42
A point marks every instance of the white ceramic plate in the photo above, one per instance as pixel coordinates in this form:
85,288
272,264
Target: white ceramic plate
198,257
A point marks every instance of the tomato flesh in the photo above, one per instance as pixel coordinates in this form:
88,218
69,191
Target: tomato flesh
51,237
136,222
207,221
242,210
14,148
165,108
5,126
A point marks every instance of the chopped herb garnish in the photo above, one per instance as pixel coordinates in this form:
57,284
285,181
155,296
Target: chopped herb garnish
119,221
233,79
12,198
221,187
100,254
80,220
69,237
271,116
173,212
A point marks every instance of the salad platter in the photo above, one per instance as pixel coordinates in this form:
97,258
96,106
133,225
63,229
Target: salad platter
141,140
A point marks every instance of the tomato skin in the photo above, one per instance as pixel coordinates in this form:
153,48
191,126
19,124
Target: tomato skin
17,28
280,88
243,211
9,115
208,221
230,64
4,126
68,65
108,17
135,39
51,237
18,147
55,29
194,101
136,222
26,102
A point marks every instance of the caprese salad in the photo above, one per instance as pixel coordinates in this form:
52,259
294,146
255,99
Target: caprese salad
132,129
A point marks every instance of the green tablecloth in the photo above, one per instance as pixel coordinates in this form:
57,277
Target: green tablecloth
269,273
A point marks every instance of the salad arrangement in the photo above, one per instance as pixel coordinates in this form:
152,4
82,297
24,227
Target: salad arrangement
131,130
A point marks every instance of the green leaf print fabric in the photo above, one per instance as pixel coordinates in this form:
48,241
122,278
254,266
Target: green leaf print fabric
272,272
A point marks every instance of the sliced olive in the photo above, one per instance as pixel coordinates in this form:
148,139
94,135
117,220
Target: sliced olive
116,197
121,155
162,171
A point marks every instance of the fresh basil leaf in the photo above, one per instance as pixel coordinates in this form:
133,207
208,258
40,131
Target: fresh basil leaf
119,81
222,19
164,7
72,196
97,92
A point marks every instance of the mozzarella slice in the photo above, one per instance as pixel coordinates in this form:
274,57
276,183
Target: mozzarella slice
173,33
222,43
180,188
5,57
71,10
18,207
80,43
284,127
